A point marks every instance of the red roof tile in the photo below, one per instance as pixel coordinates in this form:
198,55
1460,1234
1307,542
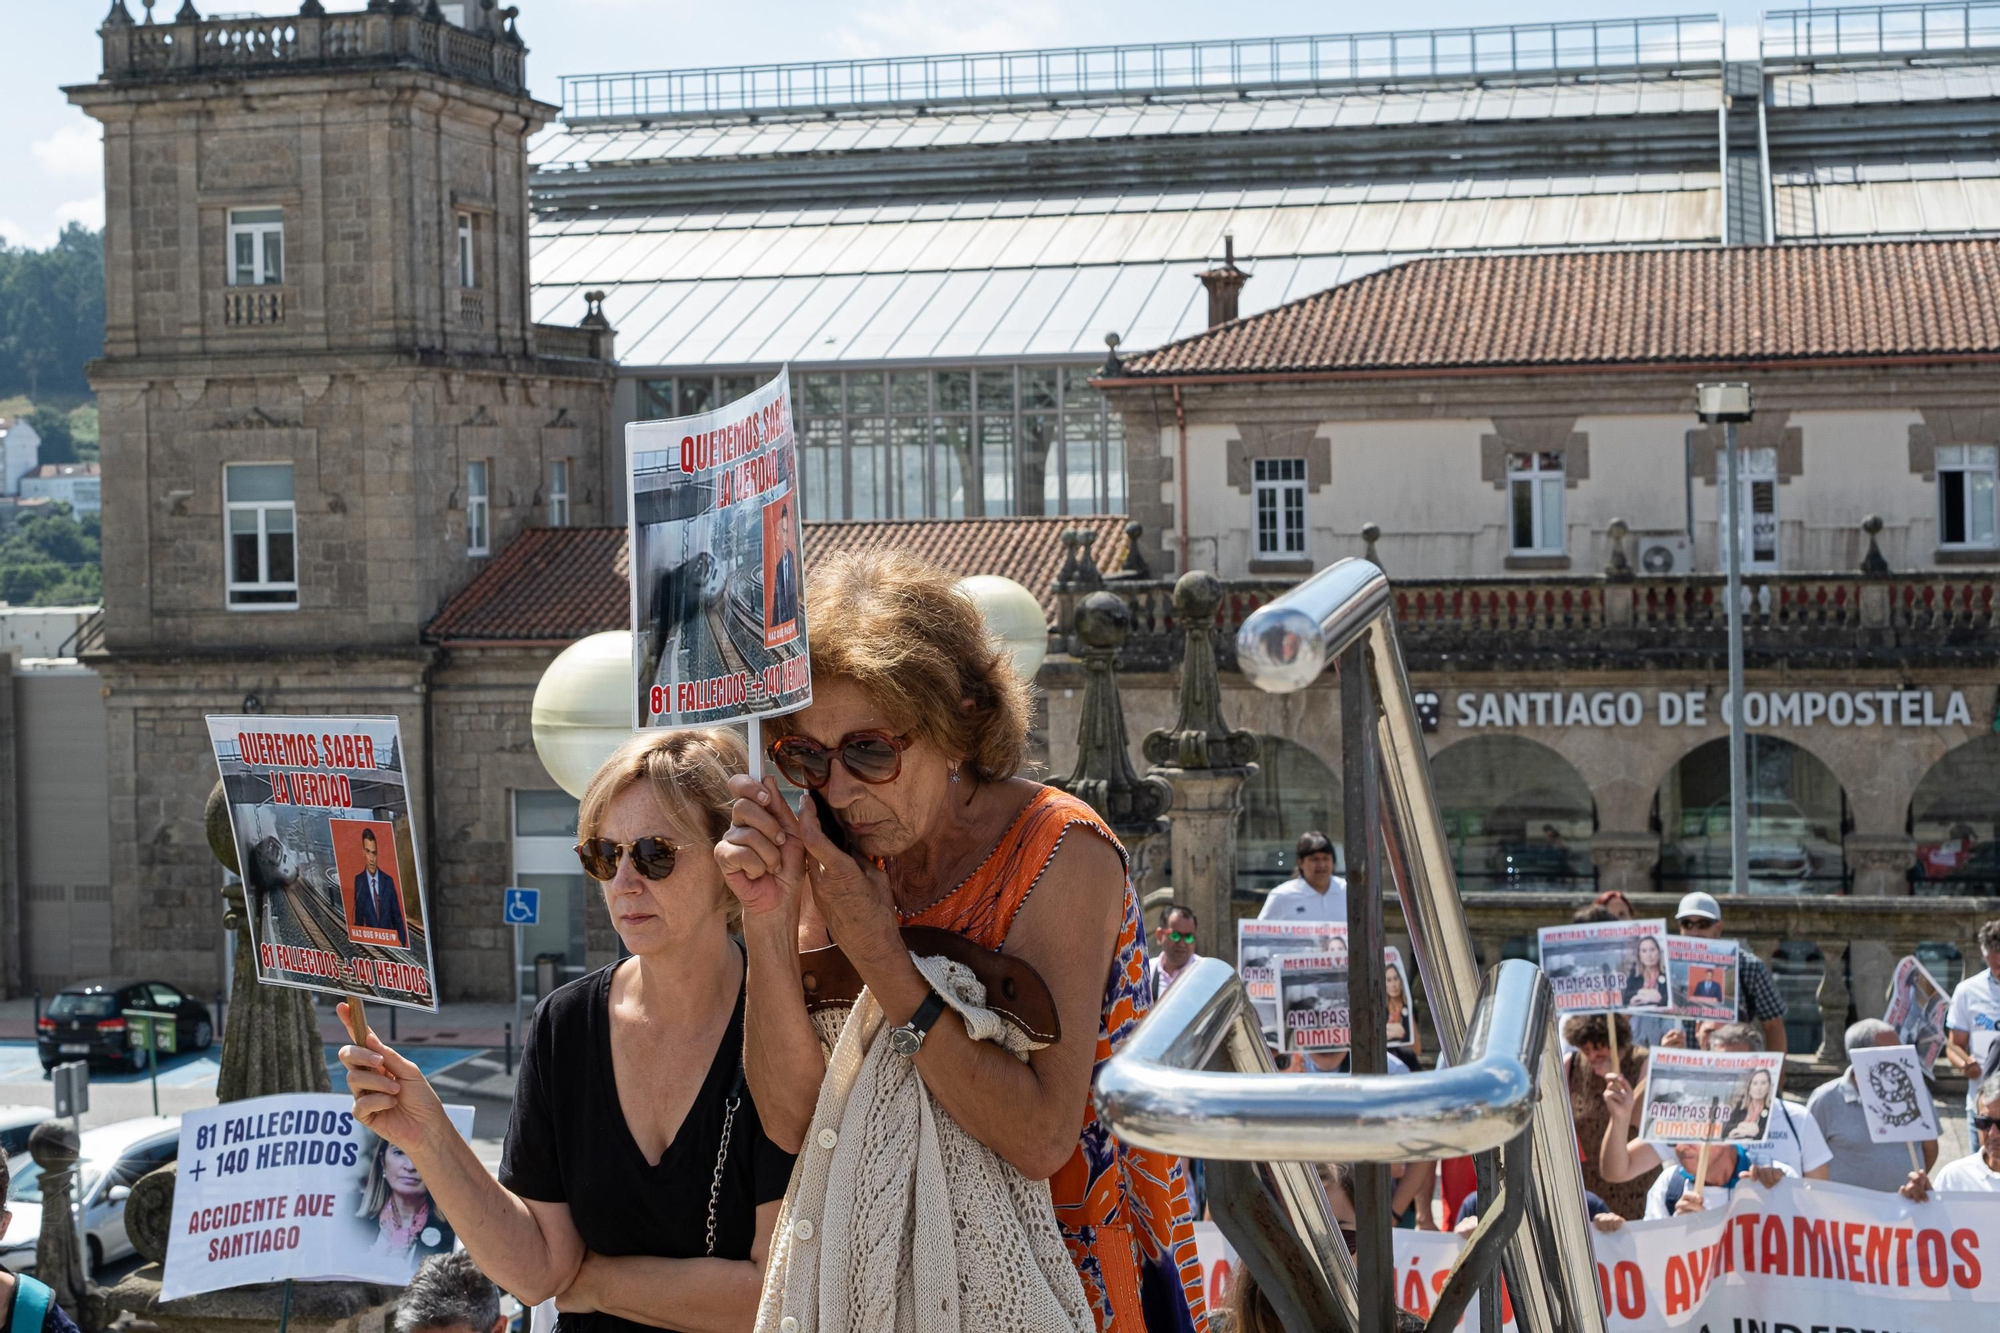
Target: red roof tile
1620,307
548,585
556,585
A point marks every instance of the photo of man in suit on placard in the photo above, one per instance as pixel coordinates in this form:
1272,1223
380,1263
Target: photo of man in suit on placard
378,906
781,573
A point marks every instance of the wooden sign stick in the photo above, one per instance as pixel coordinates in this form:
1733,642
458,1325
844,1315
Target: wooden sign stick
1611,1031
1701,1170
357,1021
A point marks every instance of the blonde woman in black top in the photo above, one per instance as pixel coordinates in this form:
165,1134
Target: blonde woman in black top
637,1186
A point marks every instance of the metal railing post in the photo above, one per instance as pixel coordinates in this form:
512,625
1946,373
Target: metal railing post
1368,1050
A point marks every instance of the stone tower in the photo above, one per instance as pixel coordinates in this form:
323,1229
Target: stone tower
324,400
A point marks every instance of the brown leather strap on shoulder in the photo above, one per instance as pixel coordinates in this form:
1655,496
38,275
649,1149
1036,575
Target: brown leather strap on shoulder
1014,990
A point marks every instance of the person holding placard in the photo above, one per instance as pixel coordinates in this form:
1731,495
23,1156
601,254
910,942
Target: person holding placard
1977,1172
1973,1020
1835,1106
637,1185
1723,1167
1758,999
1793,1135
1587,1071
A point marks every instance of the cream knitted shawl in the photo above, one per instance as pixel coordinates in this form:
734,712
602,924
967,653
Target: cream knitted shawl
896,1219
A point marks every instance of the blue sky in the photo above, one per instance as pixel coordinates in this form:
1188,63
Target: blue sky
52,169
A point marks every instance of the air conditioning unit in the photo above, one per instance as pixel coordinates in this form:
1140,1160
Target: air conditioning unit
1664,553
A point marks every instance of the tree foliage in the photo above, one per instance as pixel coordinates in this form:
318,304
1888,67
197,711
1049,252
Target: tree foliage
52,559
51,315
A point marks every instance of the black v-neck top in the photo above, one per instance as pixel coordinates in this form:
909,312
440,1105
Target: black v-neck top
568,1142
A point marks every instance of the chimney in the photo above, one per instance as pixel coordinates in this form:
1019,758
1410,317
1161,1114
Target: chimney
1223,284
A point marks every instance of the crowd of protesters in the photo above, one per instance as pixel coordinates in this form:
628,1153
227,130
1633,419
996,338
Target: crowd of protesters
664,1102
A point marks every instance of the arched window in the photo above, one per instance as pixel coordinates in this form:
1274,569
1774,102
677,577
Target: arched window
1797,816
1955,820
1518,815
1293,792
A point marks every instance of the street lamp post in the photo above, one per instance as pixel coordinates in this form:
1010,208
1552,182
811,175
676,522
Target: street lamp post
1730,404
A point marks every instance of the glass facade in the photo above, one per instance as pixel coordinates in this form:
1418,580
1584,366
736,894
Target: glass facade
953,443
1517,814
1797,818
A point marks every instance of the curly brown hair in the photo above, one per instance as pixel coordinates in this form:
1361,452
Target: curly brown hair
1594,1030
918,648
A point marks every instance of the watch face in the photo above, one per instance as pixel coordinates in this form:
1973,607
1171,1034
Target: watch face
905,1042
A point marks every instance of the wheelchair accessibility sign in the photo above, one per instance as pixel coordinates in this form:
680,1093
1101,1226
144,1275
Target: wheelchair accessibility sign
522,907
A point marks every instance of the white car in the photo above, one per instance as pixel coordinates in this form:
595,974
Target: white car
114,1157
16,1123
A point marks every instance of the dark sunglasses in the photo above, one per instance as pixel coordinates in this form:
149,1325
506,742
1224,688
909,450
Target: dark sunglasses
1697,923
1982,1123
873,757
652,857
1181,936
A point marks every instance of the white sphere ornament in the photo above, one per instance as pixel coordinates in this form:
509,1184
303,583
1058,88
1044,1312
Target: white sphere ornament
1014,619
583,708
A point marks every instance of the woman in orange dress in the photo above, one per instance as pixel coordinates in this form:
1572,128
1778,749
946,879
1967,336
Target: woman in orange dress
912,750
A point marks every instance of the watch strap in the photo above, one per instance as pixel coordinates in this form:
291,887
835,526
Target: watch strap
926,1016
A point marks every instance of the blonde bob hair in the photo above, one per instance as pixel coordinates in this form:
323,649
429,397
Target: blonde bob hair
901,630
688,773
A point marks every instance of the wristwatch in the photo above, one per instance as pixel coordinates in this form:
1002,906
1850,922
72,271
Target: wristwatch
908,1039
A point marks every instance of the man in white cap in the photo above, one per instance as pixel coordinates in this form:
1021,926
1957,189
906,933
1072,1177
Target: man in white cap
1757,997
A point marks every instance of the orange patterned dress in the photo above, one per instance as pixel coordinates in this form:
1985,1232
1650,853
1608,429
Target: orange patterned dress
1124,1211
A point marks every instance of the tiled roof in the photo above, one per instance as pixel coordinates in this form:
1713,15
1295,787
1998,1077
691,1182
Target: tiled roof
1026,550
548,585
556,585
1741,304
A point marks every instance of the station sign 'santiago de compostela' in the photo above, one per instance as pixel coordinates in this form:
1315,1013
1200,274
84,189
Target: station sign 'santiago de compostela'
1695,708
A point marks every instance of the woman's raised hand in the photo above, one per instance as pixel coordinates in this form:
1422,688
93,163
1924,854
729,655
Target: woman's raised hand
1618,1098
391,1095
840,882
763,855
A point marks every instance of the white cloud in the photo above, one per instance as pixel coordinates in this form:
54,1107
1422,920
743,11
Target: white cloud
89,211
901,27
74,150
14,234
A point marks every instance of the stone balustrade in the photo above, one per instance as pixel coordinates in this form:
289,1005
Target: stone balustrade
1933,615
387,33
573,344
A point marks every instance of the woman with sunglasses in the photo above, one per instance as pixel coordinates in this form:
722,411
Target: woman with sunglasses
637,1186
917,816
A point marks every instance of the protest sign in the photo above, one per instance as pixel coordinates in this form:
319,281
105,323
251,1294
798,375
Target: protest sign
1608,967
1424,1261
1917,1006
718,604
294,1187
1401,1009
1704,977
1806,1257
1312,992
1258,945
1710,1096
1894,1098
321,816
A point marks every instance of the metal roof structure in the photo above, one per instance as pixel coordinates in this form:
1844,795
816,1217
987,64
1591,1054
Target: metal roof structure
1018,205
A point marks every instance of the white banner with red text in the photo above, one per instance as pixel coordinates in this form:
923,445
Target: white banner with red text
1807,1257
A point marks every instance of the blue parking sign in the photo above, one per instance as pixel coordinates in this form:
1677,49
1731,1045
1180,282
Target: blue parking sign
523,907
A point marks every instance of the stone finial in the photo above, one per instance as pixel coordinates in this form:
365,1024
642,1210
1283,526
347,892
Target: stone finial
1618,569
1088,575
119,17
188,13
1873,563
432,13
1199,738
1104,776
1112,367
593,317
312,9
1371,533
1135,556
1070,541
53,1145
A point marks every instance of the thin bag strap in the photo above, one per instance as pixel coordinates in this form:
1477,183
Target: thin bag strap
722,1153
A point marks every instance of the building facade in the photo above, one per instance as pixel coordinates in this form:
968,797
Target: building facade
325,407
1513,438
78,485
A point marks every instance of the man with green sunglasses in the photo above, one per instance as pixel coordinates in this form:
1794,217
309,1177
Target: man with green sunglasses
1175,938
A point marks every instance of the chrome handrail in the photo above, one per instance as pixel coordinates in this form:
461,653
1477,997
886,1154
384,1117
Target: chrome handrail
1157,1092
